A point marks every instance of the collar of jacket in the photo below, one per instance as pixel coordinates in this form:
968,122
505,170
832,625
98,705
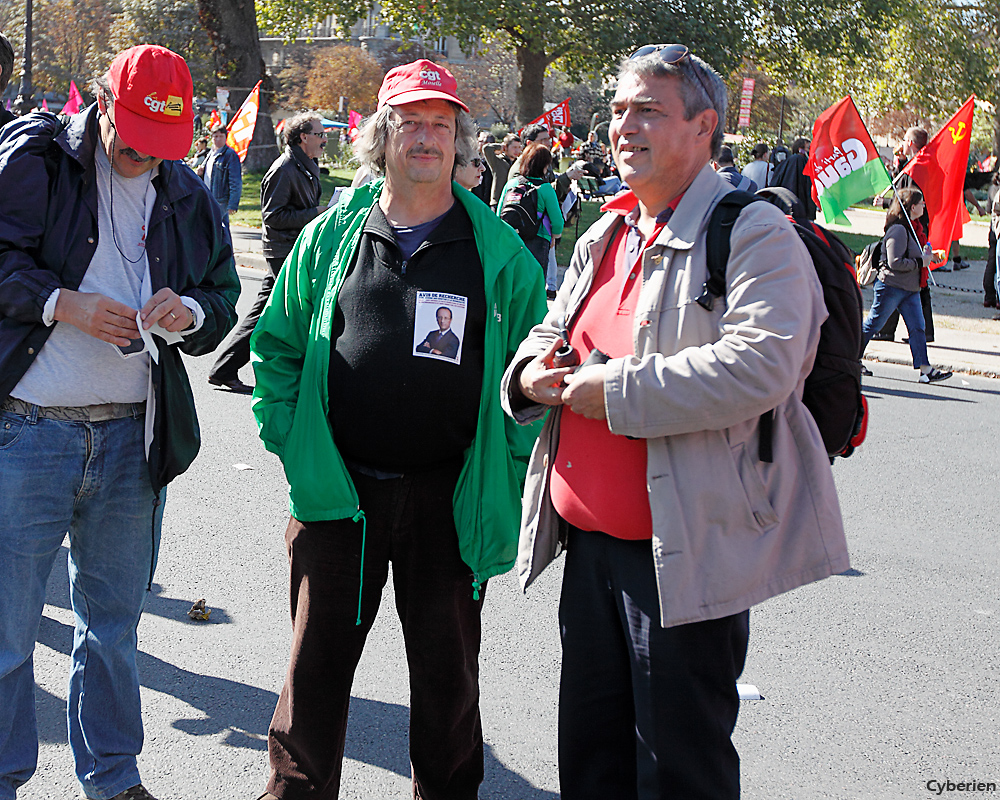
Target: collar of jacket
79,141
497,244
682,229
302,161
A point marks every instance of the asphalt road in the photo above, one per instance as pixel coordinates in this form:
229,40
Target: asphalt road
875,682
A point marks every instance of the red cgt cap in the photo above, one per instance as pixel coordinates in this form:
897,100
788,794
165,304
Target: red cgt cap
420,80
153,101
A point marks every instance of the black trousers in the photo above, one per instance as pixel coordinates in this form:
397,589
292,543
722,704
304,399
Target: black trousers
889,329
237,352
645,712
990,274
410,523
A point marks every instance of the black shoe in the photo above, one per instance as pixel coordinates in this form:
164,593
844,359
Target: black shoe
866,372
883,337
550,294
960,264
934,376
234,385
137,792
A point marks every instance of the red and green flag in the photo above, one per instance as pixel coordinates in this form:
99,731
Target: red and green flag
843,163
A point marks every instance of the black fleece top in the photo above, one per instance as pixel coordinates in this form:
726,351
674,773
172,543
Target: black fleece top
400,400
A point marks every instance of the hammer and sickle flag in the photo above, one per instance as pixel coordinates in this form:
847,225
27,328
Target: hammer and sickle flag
939,170
242,127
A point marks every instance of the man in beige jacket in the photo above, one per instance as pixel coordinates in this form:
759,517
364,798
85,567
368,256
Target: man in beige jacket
647,468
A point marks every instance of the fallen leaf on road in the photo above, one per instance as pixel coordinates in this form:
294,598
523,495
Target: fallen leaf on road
199,612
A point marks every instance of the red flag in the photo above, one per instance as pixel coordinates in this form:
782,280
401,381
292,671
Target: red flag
215,119
354,120
243,124
555,117
45,105
75,102
939,170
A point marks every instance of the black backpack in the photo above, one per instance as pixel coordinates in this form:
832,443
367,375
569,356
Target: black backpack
520,209
833,388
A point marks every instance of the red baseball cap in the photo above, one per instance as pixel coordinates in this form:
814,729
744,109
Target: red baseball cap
421,80
153,101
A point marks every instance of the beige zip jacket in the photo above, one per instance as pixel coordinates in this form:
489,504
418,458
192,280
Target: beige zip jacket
728,530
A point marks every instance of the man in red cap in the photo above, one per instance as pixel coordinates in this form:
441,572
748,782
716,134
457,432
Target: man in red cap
395,452
113,261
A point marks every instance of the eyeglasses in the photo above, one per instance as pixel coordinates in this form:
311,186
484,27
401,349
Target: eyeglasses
675,55
321,134
477,162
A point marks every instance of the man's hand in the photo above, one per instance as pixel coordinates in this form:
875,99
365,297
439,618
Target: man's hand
540,382
97,315
584,392
166,308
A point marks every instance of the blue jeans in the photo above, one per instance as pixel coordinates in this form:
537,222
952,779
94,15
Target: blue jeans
888,299
92,481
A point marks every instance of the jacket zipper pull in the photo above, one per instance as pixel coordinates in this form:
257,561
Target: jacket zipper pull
403,266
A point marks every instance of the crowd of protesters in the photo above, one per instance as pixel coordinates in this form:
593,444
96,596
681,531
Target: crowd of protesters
525,415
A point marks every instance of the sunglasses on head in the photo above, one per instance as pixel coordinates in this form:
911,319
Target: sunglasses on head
675,55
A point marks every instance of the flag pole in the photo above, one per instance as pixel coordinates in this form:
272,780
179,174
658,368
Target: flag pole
909,224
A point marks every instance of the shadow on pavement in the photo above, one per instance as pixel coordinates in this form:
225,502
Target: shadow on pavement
378,734
869,391
242,711
57,594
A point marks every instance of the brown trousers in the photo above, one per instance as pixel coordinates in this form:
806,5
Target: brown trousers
409,523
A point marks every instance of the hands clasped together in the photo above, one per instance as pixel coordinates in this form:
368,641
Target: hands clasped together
580,388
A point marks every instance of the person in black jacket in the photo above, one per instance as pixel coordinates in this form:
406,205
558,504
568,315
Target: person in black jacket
789,173
6,70
113,261
289,198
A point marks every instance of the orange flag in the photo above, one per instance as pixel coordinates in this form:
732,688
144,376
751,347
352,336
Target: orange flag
243,124
939,170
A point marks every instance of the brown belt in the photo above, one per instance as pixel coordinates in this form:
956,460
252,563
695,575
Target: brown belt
98,413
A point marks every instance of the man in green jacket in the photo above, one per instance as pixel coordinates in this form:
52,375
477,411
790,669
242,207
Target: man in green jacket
393,452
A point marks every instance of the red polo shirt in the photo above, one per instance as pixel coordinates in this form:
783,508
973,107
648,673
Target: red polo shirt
599,478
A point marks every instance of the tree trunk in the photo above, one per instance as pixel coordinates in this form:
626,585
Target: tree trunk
232,27
530,80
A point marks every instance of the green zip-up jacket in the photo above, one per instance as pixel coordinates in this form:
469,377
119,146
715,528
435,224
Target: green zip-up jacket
291,358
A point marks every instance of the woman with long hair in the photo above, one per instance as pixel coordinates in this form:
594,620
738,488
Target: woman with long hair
905,255
535,162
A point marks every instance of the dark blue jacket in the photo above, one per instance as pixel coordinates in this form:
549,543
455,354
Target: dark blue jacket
48,235
227,178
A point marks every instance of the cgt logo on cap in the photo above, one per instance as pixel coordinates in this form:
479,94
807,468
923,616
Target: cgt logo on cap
173,106
430,76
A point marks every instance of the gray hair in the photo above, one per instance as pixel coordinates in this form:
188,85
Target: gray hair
6,62
101,87
369,146
699,85
299,124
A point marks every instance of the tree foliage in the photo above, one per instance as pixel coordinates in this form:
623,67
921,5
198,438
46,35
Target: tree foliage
170,23
584,37
69,42
345,71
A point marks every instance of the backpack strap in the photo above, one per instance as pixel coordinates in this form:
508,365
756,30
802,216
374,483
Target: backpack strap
717,244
